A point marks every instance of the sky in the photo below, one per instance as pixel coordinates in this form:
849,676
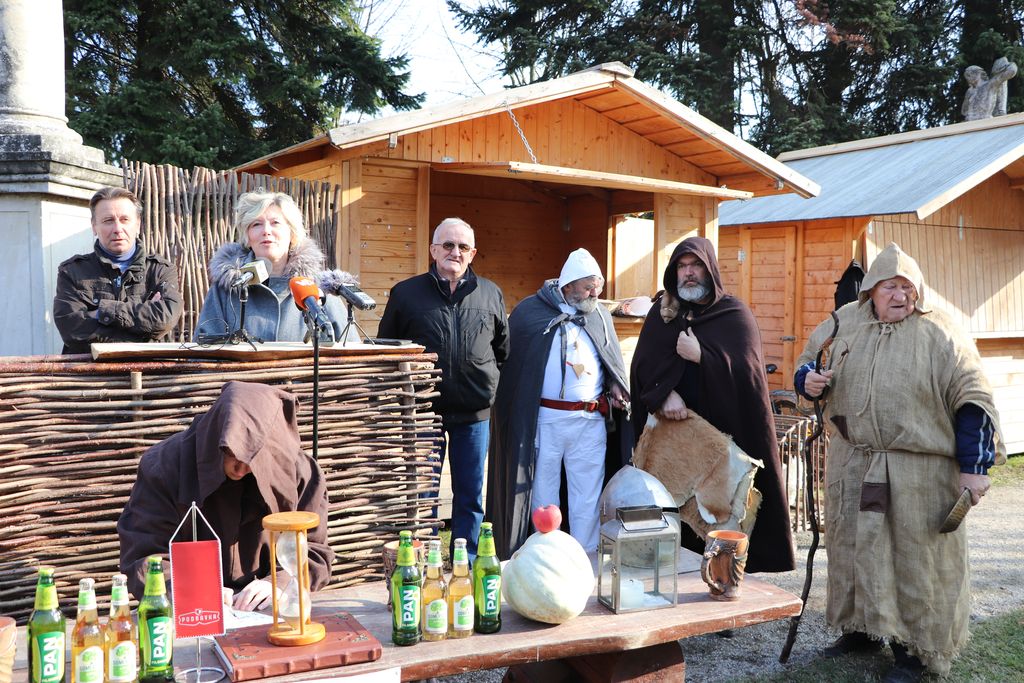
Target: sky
445,64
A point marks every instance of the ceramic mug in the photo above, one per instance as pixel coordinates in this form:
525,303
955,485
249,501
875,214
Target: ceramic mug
725,557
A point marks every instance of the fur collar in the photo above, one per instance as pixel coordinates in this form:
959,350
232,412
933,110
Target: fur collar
306,259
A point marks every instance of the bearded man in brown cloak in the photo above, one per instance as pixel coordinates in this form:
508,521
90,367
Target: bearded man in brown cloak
700,350
239,461
912,424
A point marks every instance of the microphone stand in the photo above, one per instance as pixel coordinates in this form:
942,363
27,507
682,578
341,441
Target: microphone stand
353,322
314,331
240,335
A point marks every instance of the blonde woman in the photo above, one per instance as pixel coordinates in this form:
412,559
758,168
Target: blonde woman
270,227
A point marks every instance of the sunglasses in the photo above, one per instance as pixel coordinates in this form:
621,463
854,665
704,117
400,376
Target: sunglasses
449,246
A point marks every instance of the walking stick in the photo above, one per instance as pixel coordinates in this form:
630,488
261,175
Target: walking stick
819,428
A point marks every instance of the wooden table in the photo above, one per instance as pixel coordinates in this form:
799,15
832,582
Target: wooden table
597,645
598,631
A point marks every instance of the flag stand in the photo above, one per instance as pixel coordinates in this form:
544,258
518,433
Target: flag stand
197,674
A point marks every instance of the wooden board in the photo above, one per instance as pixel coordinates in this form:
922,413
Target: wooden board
247,654
573,176
264,351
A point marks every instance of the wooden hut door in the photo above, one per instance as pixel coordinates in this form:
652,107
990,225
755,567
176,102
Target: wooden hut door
767,278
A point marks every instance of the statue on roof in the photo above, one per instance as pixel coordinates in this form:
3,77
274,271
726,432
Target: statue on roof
986,94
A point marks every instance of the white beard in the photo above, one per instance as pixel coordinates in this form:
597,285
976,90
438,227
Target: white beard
586,305
693,293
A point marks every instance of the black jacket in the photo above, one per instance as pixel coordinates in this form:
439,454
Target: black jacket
467,329
127,312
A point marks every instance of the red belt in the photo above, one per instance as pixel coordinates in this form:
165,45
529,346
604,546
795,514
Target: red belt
598,406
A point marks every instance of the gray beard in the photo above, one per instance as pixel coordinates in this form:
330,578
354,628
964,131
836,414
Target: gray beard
586,306
693,293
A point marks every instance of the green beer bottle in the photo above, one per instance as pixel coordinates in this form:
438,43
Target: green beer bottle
406,594
46,633
87,638
486,584
156,626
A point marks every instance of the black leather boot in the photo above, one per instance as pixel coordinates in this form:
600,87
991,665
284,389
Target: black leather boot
907,668
854,641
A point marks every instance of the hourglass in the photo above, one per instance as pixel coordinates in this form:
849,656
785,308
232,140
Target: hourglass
288,547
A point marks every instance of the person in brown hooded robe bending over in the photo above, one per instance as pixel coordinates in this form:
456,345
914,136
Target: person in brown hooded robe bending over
239,462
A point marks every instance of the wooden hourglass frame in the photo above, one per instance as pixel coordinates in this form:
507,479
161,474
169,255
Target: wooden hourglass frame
308,631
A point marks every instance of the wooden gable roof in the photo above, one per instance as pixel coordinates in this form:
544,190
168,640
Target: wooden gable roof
608,89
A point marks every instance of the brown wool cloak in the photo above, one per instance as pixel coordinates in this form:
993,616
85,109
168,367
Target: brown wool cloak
895,391
258,424
728,388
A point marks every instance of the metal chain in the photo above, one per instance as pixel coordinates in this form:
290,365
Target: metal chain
526,143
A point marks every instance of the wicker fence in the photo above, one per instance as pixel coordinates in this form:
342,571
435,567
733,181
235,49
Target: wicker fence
188,215
72,433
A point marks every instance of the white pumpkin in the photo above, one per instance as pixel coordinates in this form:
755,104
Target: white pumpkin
549,578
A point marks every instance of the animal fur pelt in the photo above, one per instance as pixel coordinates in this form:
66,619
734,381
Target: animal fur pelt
711,479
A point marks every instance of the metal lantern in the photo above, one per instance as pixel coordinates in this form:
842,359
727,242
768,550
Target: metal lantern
288,546
638,559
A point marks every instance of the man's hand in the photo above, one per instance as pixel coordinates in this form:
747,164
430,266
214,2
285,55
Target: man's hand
815,382
255,596
687,346
979,485
673,408
227,596
619,396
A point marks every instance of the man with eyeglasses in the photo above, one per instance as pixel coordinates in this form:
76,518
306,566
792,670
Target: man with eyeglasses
461,317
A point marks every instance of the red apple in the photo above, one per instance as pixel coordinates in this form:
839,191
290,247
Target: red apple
547,518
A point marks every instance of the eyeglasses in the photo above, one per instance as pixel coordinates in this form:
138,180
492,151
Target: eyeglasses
449,246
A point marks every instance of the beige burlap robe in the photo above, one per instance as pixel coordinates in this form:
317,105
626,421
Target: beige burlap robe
898,386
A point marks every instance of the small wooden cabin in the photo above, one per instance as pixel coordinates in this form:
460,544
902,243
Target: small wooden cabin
538,171
952,197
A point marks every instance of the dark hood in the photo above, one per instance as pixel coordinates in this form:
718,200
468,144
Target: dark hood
704,250
254,421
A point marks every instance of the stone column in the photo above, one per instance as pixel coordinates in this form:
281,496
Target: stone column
46,175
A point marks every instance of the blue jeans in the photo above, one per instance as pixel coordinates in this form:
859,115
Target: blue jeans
467,450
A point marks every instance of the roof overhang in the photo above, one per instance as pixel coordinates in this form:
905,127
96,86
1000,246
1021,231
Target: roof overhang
719,137
574,176
611,91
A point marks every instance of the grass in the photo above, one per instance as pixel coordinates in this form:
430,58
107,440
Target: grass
1012,473
994,653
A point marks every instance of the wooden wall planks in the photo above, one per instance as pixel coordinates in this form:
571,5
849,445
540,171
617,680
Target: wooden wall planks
974,274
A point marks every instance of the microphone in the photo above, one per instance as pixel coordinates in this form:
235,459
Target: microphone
340,283
252,273
307,298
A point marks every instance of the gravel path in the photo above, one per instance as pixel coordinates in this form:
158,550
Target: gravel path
996,540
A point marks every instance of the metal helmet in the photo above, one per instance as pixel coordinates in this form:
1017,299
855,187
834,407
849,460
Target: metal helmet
633,486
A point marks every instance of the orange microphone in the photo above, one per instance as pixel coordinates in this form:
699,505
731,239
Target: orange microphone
307,297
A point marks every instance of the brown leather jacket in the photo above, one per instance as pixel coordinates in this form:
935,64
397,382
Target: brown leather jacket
127,312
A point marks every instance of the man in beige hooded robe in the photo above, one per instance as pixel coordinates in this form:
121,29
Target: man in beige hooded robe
907,400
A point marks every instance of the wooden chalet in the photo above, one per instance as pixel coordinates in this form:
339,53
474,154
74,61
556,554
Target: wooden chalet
952,197
594,146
